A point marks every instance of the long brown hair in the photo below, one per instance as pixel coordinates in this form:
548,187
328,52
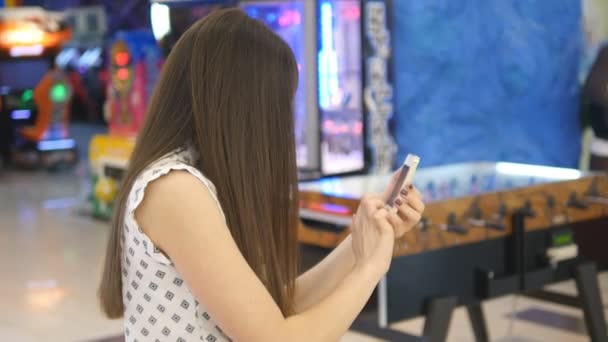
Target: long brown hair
227,88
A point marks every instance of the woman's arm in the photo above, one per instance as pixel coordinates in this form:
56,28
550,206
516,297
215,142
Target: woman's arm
192,232
316,283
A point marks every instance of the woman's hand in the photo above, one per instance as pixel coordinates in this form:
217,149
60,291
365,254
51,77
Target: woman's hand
408,207
373,236
376,226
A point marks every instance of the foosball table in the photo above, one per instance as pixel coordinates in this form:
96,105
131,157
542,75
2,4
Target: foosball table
489,229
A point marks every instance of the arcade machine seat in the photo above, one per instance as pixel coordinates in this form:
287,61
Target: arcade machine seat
47,142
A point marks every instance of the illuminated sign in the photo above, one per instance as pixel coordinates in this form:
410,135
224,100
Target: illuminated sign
23,36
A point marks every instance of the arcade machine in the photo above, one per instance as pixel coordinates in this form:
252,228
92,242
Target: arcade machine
35,104
134,63
325,37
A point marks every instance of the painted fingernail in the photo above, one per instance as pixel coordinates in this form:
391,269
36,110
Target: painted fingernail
398,202
404,192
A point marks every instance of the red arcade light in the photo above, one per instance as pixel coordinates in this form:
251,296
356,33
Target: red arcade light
123,74
122,59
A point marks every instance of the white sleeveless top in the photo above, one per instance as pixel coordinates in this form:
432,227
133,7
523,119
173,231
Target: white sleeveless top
159,305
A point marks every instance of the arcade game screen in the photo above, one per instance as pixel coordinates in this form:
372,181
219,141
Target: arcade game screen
287,20
340,86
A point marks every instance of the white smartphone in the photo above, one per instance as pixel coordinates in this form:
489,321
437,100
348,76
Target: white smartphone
406,175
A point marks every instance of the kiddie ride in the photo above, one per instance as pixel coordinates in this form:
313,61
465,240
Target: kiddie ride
36,120
134,64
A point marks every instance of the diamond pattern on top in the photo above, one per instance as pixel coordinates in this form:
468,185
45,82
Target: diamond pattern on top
159,305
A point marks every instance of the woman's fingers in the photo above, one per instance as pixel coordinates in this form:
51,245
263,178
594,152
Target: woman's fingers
414,190
372,203
409,215
399,225
405,213
415,203
383,220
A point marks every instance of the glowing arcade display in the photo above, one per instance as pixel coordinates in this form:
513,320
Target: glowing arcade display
329,98
340,86
338,78
134,60
31,31
287,20
134,66
123,85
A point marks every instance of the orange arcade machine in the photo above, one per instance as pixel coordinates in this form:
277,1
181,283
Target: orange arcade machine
35,95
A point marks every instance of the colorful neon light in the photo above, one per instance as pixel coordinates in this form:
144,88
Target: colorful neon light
21,114
289,18
27,96
352,13
61,144
123,74
59,92
122,59
271,17
328,61
22,37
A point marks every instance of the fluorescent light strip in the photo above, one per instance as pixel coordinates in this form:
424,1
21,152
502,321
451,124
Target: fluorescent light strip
537,171
31,50
61,144
21,114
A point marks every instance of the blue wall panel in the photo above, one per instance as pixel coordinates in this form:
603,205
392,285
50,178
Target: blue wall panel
487,80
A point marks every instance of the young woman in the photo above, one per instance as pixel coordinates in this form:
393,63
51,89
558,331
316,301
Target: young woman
203,246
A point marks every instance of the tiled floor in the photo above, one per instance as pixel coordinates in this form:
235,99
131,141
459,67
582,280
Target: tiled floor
51,259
